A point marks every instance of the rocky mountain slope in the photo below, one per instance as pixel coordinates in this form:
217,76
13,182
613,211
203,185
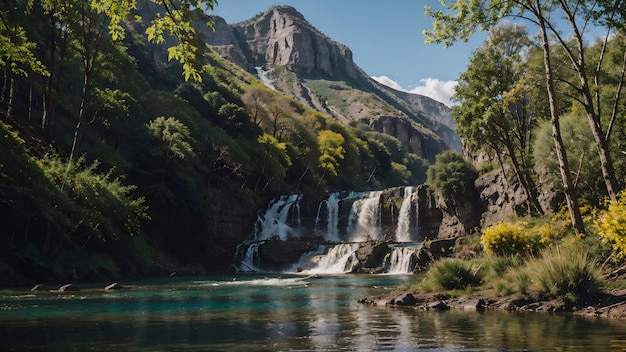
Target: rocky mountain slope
298,60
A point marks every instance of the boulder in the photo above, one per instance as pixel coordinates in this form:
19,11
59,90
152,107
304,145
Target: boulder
371,254
405,299
69,288
114,286
438,305
39,287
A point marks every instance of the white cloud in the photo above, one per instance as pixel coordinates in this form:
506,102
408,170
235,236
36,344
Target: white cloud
431,87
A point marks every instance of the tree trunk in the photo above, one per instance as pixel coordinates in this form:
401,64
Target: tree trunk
592,112
568,188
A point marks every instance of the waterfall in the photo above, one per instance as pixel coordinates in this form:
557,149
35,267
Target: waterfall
403,229
264,76
339,259
401,260
365,218
276,220
343,220
249,254
332,230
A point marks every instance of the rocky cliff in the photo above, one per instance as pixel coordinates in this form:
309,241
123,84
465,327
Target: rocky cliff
321,74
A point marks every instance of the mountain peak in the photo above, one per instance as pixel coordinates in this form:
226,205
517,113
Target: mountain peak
282,36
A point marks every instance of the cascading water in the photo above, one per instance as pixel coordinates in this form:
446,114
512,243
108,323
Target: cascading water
279,219
366,211
345,223
277,222
329,215
339,259
401,260
403,230
264,76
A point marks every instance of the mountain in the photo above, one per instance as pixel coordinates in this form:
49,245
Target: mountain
291,55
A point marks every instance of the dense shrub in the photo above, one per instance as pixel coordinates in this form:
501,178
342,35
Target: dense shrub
520,238
451,175
567,274
610,225
453,274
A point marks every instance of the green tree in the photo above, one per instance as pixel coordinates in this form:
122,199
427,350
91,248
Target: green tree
492,115
173,136
451,175
467,16
176,19
331,151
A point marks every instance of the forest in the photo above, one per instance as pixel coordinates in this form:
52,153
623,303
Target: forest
131,149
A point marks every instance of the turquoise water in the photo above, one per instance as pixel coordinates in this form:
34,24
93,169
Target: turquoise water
277,313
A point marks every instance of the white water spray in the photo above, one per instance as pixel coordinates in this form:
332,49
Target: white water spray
403,229
339,259
401,260
276,220
265,77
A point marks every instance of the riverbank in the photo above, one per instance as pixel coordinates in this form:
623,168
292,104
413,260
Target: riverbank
609,304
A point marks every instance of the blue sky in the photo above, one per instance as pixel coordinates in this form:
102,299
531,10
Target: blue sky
385,38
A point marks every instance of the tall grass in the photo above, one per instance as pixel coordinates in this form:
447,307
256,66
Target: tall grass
569,274
454,274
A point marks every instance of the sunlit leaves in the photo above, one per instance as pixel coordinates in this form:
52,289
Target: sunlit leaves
173,136
611,225
16,51
176,20
331,151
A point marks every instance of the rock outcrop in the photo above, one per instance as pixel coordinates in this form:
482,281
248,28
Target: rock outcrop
414,138
282,38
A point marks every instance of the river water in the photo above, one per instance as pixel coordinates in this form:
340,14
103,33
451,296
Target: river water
252,312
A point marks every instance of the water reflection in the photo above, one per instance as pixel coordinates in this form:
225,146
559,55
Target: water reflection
292,313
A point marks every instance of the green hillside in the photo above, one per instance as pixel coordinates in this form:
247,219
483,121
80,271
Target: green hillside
114,165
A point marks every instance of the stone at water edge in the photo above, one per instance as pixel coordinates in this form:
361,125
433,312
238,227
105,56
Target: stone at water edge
69,288
114,286
39,287
405,299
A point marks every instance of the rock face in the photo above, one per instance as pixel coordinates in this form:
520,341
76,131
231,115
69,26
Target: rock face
281,39
281,36
413,137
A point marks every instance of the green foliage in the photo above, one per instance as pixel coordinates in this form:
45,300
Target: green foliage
173,136
610,225
331,151
582,155
567,274
450,174
94,204
454,274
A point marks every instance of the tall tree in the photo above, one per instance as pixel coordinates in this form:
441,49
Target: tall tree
492,115
470,15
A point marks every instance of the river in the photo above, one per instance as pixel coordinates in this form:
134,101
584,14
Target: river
253,312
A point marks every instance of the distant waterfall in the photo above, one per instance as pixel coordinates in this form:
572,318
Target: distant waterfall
403,229
328,214
265,77
328,243
279,218
249,252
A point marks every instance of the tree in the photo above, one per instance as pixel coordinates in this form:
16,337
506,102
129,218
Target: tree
176,19
492,115
331,151
451,175
469,16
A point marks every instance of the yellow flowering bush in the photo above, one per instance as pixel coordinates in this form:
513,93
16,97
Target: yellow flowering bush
506,238
610,225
